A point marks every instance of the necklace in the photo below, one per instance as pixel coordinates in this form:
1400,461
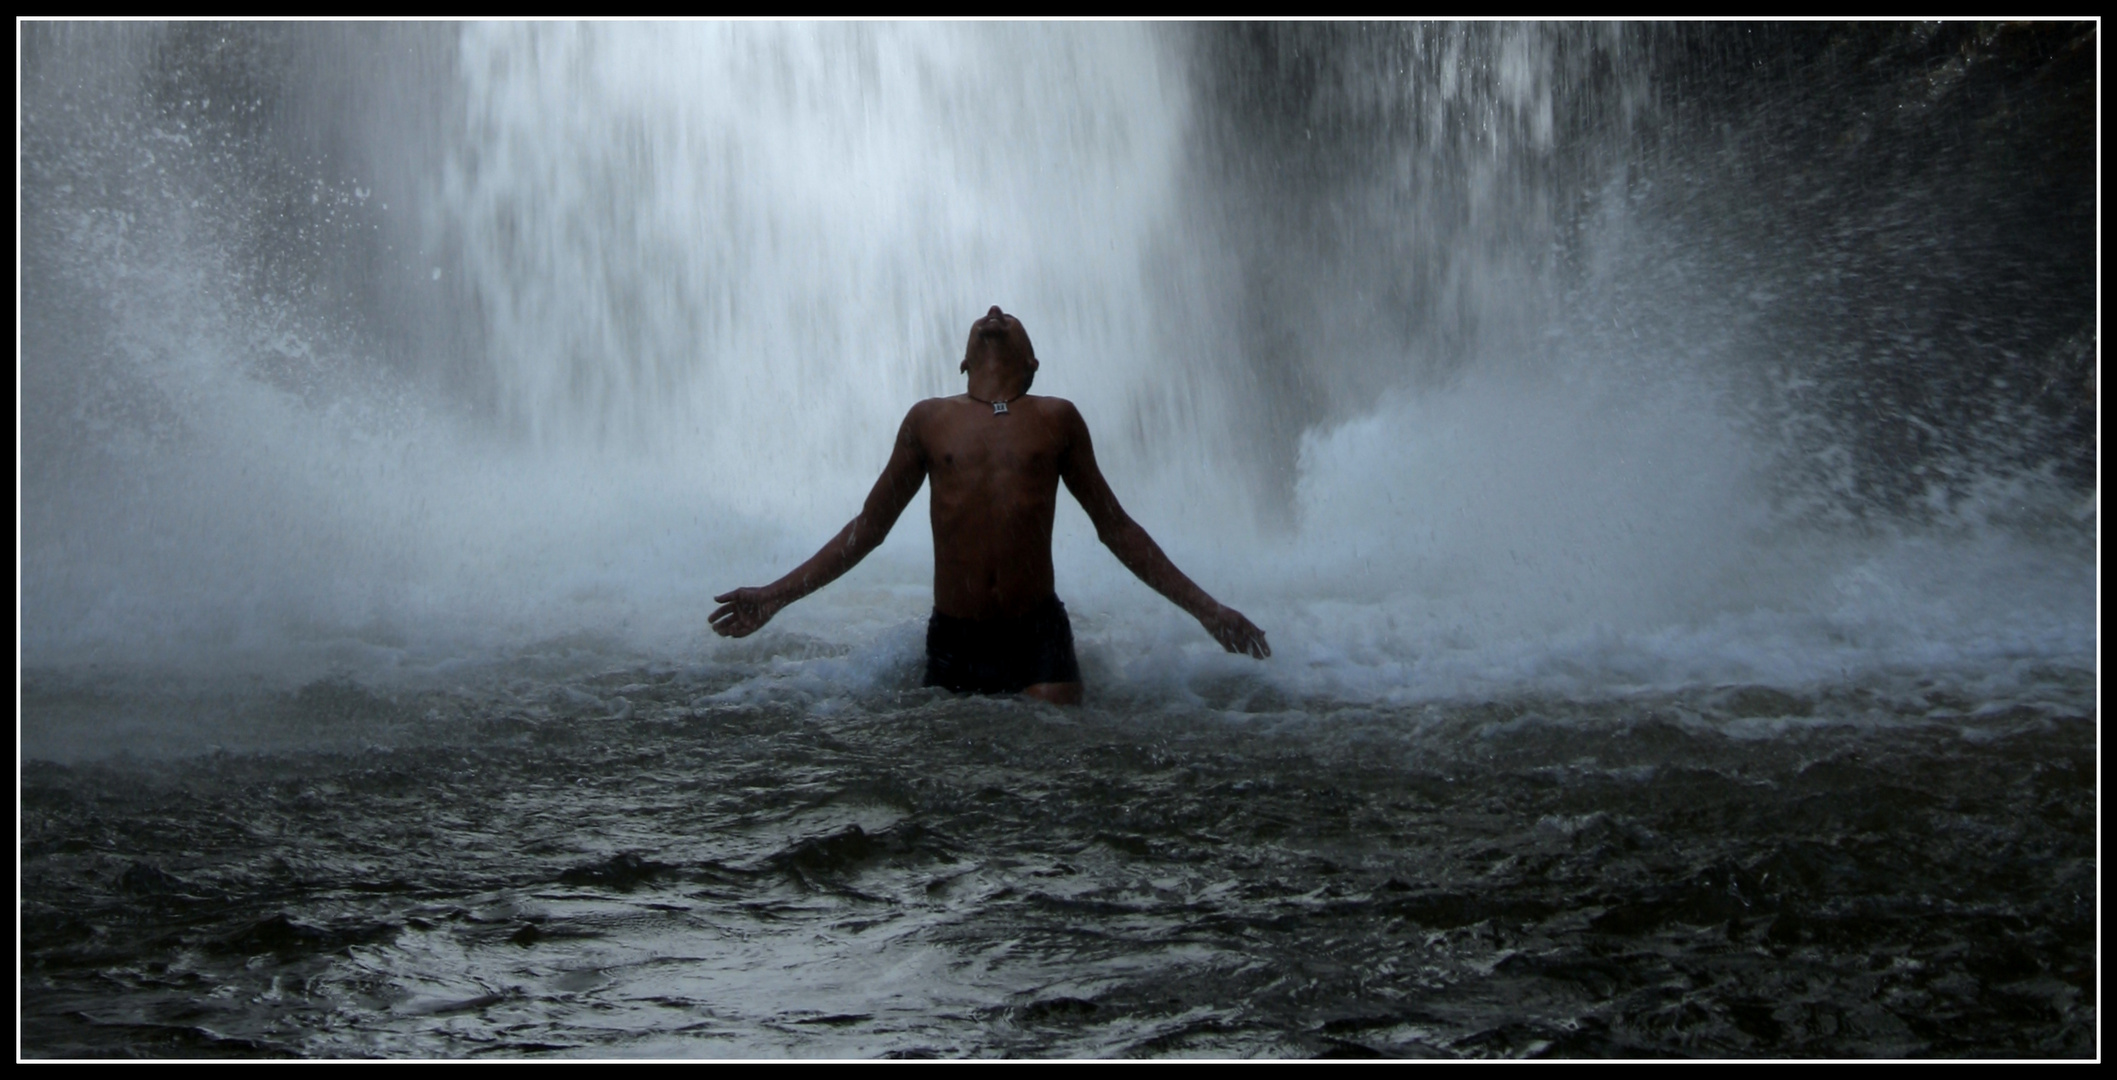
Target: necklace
998,407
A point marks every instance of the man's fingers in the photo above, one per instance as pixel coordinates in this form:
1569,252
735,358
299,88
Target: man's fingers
742,612
1239,635
736,616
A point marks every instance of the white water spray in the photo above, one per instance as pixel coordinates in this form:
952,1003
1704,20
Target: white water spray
704,271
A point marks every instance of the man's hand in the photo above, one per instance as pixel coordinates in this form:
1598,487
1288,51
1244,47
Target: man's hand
742,611
1235,633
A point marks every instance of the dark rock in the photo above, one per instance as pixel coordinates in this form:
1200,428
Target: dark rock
624,871
143,879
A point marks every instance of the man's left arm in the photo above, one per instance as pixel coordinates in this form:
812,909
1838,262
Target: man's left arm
1138,551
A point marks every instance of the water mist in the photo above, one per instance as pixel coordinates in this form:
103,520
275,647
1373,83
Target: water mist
1451,354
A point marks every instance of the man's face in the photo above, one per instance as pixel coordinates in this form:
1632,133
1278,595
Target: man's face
1000,336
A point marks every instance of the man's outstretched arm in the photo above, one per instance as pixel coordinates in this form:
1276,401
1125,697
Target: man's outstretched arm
1141,555
742,611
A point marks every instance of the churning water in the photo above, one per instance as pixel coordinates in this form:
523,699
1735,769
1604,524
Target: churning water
1662,458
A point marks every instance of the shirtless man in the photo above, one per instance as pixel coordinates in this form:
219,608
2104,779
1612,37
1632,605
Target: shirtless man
996,456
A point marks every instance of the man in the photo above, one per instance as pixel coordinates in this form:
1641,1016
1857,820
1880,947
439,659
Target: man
996,456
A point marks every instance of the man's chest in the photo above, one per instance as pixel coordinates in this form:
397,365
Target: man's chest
997,449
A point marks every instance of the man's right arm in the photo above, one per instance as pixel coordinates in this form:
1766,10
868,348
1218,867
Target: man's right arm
743,611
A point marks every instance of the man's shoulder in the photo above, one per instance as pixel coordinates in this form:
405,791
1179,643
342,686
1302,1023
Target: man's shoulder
927,408
1055,406
930,417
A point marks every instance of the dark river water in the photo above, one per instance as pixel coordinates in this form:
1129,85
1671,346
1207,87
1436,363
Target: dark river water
615,864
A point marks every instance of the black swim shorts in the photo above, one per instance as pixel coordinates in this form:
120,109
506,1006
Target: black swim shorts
1001,656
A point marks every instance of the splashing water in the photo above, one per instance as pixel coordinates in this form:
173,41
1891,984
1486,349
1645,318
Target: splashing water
651,301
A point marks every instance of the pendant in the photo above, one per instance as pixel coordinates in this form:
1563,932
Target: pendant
998,407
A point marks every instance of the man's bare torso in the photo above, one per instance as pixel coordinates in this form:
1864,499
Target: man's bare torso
994,484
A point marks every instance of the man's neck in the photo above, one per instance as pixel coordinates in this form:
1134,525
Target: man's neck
997,386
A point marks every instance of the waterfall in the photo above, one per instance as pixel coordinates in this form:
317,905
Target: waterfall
1461,357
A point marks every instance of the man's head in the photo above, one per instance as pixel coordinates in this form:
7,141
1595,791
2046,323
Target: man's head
999,340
